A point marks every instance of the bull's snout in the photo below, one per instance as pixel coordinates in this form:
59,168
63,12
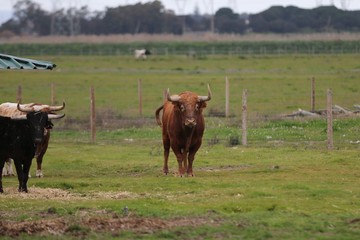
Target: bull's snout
190,122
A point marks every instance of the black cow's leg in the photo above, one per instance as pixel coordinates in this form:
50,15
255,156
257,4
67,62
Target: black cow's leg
2,162
26,169
19,173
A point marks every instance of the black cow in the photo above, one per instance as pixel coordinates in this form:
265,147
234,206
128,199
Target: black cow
19,137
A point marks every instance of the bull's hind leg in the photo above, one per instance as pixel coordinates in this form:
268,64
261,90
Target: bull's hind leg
166,143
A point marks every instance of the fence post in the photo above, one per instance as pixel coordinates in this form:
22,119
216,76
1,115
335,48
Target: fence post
313,94
140,96
92,114
330,141
227,97
19,94
53,94
244,117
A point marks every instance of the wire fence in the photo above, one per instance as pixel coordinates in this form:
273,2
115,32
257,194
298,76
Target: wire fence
306,128
249,127
191,50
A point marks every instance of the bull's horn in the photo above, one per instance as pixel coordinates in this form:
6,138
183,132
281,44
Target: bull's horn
55,116
24,109
19,117
173,98
206,98
57,108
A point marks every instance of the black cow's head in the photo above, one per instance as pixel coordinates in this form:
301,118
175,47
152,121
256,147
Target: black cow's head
190,106
38,121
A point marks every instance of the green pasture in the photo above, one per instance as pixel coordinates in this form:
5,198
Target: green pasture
284,185
276,84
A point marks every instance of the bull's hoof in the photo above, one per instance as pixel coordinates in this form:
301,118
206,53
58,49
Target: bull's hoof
39,174
23,190
1,190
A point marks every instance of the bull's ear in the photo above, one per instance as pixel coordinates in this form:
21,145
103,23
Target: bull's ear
202,105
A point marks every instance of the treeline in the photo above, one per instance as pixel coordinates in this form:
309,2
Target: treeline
152,18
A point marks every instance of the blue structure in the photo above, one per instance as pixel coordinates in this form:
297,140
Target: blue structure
12,62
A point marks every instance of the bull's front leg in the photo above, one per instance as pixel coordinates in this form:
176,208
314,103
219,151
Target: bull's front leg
189,169
180,159
191,158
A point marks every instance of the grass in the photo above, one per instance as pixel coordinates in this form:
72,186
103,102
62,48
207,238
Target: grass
252,192
276,84
283,185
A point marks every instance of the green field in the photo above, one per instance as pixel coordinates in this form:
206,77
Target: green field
283,185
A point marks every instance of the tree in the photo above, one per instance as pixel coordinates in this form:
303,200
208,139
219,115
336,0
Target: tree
226,21
30,18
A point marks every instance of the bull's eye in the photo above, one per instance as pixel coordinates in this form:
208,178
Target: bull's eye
182,108
197,107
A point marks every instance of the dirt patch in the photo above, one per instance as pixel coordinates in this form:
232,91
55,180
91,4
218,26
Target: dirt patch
42,227
84,222
87,221
60,194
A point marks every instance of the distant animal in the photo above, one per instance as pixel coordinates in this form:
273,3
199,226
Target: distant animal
141,53
182,128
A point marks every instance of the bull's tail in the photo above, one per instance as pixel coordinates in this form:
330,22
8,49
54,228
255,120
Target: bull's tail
157,114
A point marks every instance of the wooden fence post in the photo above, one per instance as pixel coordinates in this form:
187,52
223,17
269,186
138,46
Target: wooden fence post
244,118
330,141
53,94
313,94
19,94
227,97
92,114
140,96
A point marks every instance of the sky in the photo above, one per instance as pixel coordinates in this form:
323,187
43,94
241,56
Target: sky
183,6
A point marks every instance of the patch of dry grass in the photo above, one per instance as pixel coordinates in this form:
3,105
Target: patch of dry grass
189,37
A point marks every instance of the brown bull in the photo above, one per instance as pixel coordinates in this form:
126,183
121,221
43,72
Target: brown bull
14,110
182,128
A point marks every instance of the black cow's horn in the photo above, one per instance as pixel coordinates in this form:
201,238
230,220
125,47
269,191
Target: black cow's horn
24,109
173,98
57,108
55,116
206,98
